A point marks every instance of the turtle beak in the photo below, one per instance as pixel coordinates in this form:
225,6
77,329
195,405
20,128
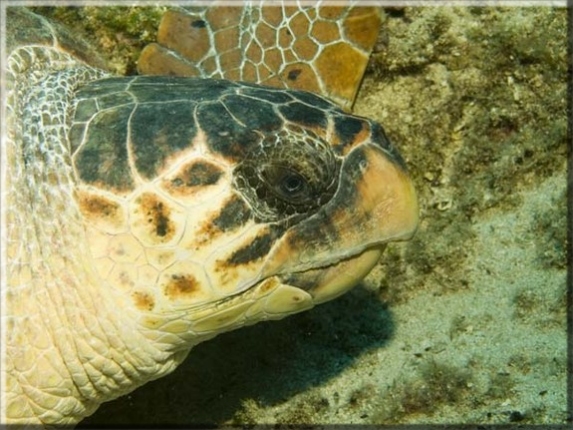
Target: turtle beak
375,203
387,207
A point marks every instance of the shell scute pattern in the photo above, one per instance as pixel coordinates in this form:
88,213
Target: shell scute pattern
234,214
328,55
151,132
102,211
192,182
155,220
192,177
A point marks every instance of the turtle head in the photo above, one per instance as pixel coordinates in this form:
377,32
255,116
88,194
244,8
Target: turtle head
211,205
330,208
374,203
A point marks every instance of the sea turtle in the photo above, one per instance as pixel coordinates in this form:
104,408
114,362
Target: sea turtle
142,215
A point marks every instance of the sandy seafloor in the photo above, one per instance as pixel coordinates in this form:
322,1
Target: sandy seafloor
466,323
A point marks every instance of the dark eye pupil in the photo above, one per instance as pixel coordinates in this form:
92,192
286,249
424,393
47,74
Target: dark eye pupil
286,183
292,184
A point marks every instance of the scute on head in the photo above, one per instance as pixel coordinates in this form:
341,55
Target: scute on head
283,189
154,220
102,211
239,206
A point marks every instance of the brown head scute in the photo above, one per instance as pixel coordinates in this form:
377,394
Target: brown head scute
201,173
182,285
253,251
143,301
301,113
99,209
102,158
225,135
234,214
158,132
190,178
156,215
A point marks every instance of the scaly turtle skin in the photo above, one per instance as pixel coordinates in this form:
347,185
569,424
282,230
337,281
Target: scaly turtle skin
143,215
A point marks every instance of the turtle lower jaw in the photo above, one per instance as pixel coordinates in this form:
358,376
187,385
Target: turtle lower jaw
329,282
277,296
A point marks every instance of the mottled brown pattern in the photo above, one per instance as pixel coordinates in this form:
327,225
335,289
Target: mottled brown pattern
234,214
97,208
192,177
143,301
156,215
183,285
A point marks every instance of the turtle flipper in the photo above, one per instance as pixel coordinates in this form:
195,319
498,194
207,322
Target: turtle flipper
320,49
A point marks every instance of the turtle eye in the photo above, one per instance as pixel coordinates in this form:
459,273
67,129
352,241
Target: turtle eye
286,183
289,176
